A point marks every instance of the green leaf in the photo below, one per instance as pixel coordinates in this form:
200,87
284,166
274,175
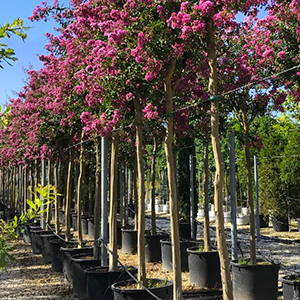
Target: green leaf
31,204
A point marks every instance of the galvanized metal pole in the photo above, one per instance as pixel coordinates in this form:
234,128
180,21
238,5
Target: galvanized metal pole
192,198
256,199
20,187
43,216
234,248
104,206
121,194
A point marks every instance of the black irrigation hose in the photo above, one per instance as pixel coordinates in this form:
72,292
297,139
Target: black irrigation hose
100,241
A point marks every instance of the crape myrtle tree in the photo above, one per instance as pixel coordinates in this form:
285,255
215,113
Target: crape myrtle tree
245,71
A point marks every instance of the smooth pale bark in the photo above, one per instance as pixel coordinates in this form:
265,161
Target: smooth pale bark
113,203
171,170
153,165
122,193
31,186
206,238
135,195
246,126
219,173
79,191
25,187
69,191
48,218
97,205
91,197
13,188
141,192
56,201
37,173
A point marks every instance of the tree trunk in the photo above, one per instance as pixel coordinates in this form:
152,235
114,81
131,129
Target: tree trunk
31,186
171,169
141,192
123,207
13,190
79,191
48,218
207,246
153,165
69,190
249,183
56,219
219,173
91,197
113,203
135,195
25,187
97,205
37,173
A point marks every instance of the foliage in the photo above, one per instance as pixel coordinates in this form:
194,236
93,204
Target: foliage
5,257
44,195
16,27
279,172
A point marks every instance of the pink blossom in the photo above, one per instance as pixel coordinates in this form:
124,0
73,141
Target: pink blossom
129,96
282,55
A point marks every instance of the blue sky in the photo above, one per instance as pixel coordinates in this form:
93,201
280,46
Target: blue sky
12,78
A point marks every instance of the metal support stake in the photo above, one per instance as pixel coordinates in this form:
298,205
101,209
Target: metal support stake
43,219
192,198
256,199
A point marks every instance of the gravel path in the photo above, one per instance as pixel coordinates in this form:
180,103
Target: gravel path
28,278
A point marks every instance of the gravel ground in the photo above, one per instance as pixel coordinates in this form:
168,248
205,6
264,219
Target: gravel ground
29,278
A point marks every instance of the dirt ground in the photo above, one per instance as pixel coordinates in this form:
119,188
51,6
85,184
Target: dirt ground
28,277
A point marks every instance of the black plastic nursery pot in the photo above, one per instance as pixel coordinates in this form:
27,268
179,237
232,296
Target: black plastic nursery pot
166,255
91,230
56,255
80,263
36,239
69,250
153,247
99,280
74,221
27,229
84,224
46,248
280,225
163,289
204,268
62,217
185,230
291,287
255,282
263,221
129,241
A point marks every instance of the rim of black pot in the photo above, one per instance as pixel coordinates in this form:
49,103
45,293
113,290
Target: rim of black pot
157,234
269,264
79,257
41,231
128,229
115,286
168,241
93,270
195,250
289,279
